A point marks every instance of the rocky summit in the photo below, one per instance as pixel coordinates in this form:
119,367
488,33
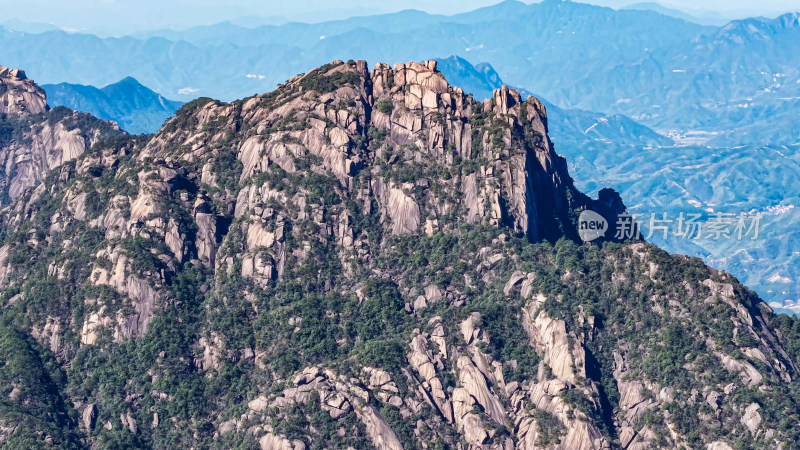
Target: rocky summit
35,139
358,259
18,95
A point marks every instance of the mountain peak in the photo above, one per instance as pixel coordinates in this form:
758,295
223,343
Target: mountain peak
38,139
129,80
12,74
18,94
395,121
789,20
128,86
137,108
481,79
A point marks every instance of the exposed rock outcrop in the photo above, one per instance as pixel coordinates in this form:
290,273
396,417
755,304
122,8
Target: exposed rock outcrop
360,258
20,95
40,140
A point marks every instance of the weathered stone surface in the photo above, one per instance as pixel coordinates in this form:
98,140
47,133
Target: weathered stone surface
143,296
422,362
258,404
46,143
516,279
174,240
274,442
403,211
20,95
468,423
751,418
550,336
382,436
89,416
129,422
206,241
89,331
212,353
750,375
468,327
475,384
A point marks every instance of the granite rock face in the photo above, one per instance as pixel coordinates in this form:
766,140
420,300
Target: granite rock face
34,140
364,258
18,94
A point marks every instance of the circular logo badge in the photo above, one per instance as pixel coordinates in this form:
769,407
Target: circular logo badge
591,225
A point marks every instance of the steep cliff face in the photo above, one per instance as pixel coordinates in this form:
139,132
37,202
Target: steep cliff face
366,258
18,94
431,157
35,139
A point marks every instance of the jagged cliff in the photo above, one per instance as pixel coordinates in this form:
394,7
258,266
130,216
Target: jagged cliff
34,139
18,95
362,258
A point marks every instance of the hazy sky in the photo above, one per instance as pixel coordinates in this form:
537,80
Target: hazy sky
123,16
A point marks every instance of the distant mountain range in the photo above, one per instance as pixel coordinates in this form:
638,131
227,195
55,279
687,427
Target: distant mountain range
28,27
139,109
573,128
136,108
662,71
699,16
